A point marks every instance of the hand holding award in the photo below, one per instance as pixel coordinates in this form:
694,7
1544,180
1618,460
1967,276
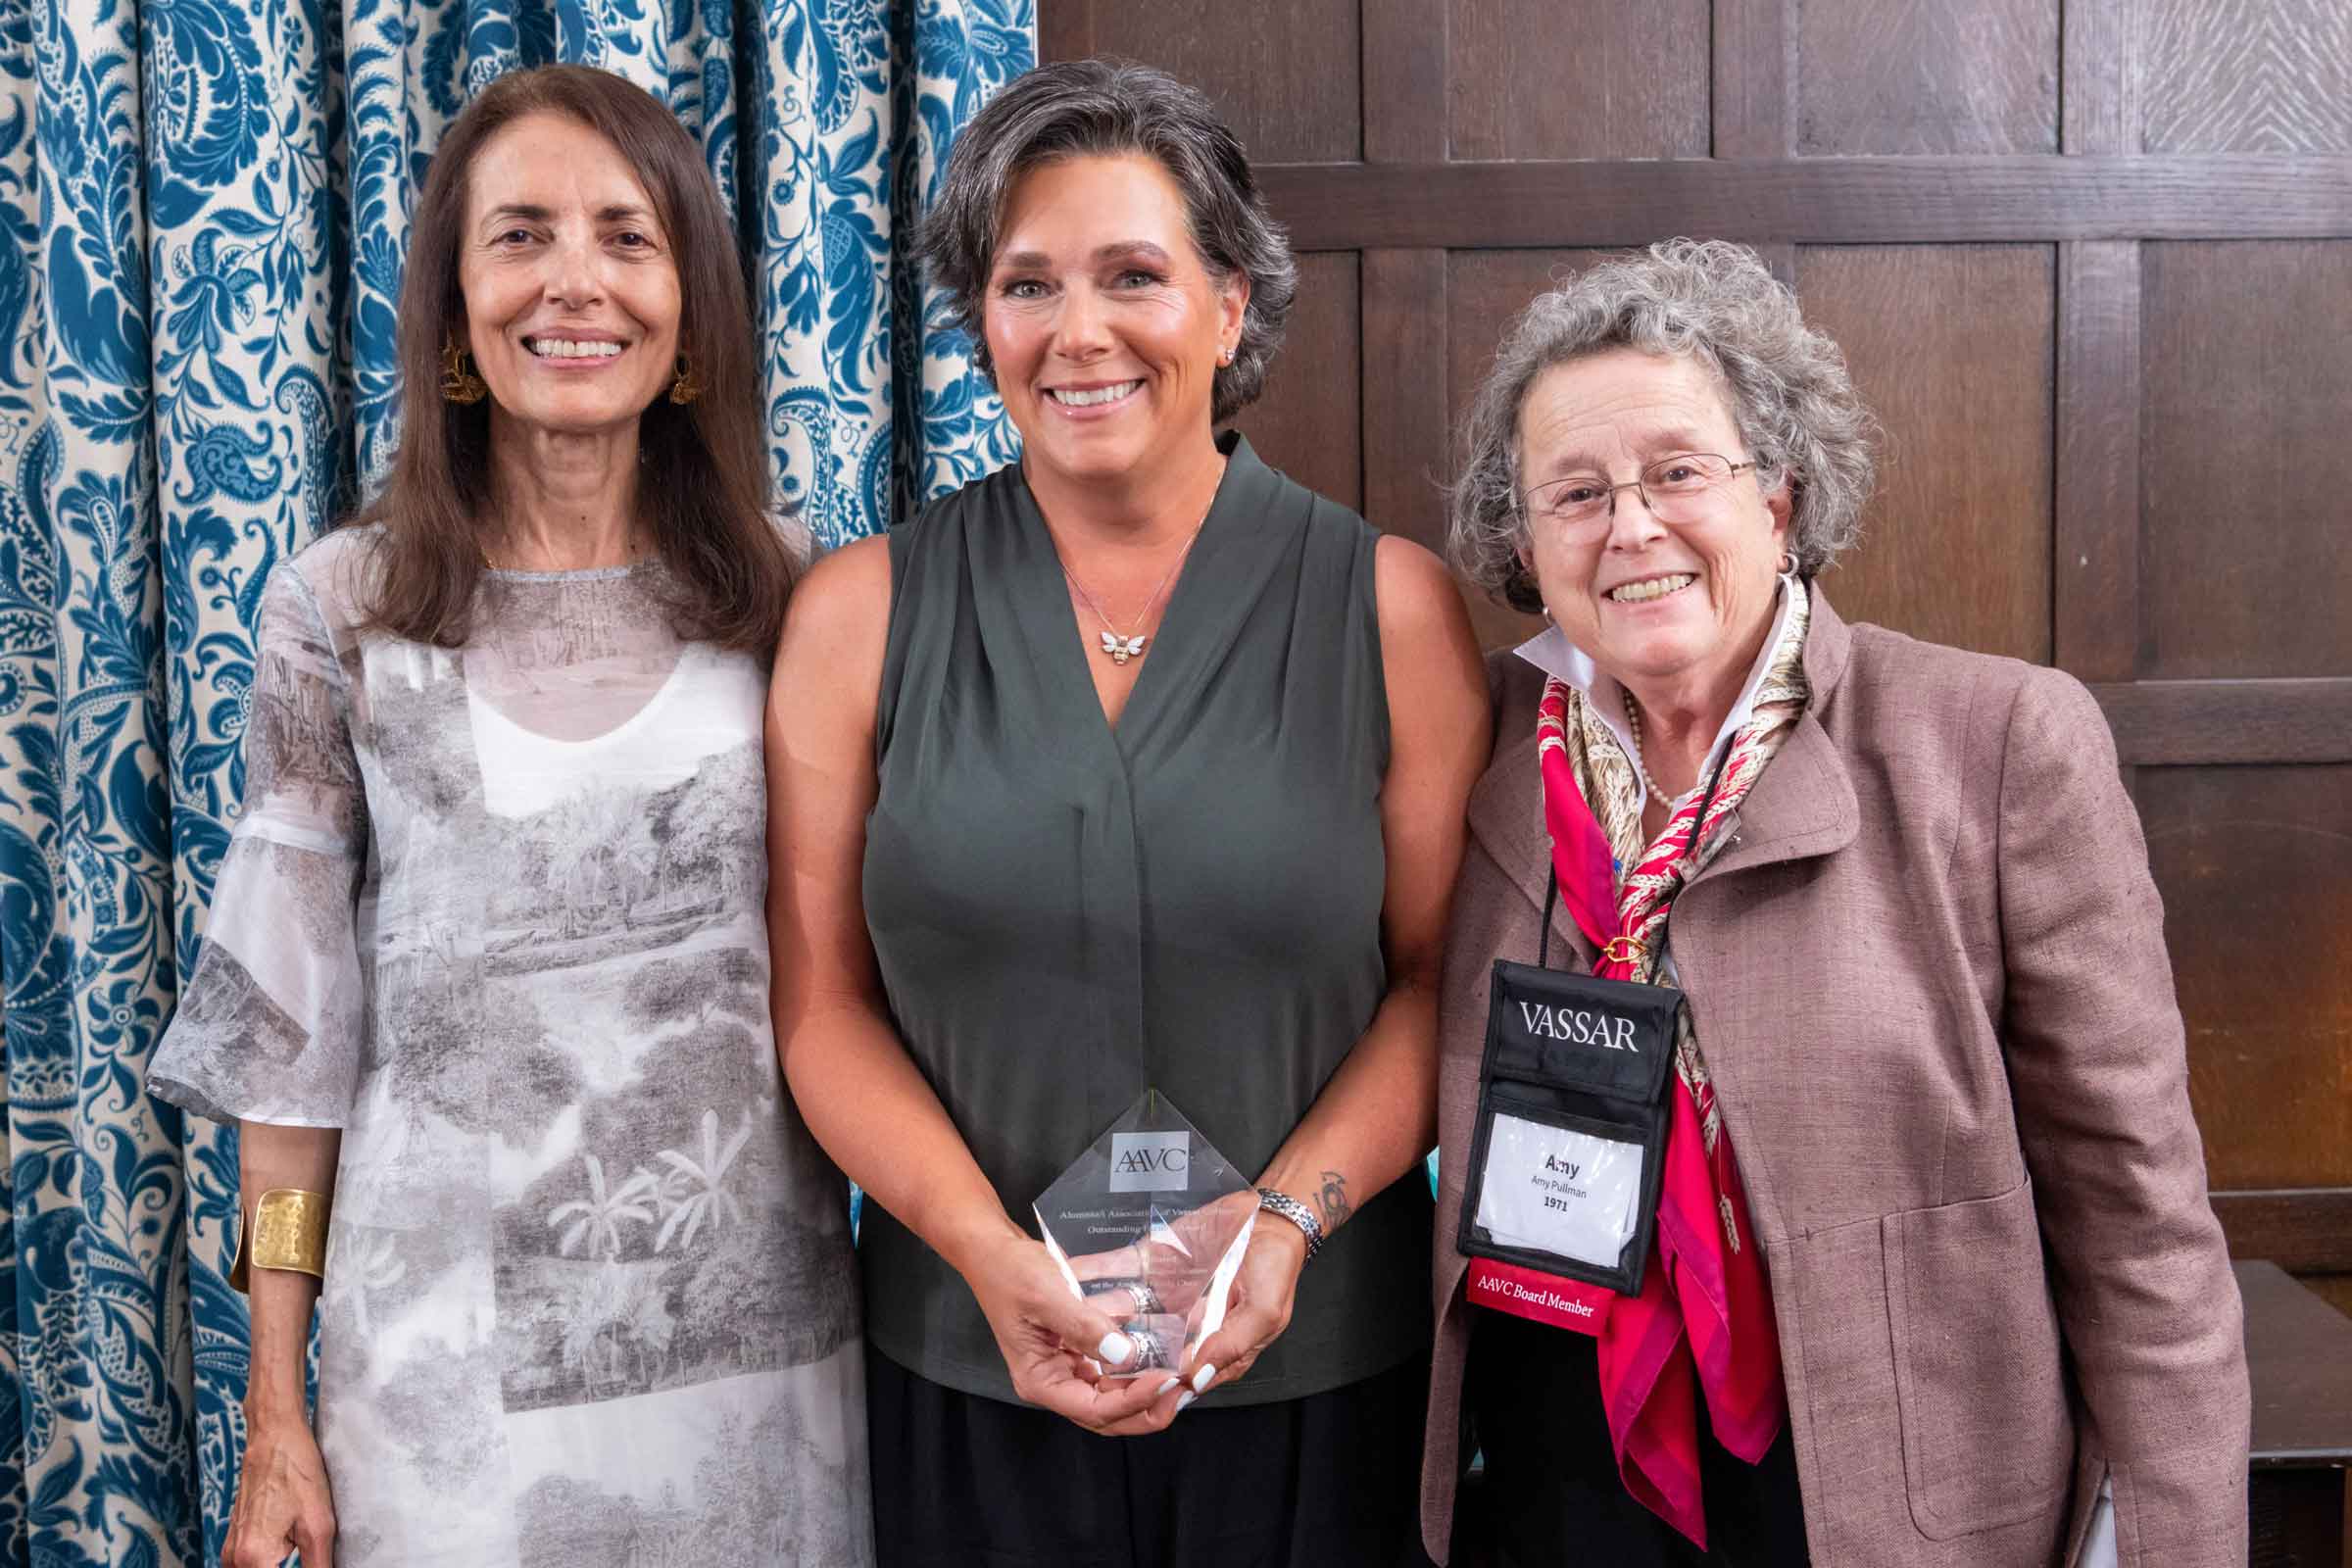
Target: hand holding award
1150,1225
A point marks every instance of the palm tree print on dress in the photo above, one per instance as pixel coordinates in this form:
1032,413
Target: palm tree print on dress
699,1191
621,1311
596,1219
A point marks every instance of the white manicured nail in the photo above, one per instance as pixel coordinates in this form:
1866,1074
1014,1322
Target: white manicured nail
1187,1400
1202,1378
1165,1387
1115,1349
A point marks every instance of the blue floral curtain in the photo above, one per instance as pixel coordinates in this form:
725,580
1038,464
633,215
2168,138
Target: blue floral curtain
205,206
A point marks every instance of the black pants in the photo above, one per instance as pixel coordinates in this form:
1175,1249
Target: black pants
1551,1495
1329,1480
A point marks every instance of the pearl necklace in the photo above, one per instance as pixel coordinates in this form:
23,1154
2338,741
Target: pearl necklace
1633,729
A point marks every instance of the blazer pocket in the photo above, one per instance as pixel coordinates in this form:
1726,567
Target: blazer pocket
1987,1436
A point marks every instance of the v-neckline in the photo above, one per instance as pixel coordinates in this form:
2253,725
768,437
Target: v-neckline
1055,616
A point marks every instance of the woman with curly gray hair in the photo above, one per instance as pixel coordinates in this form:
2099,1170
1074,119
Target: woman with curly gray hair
1864,1221
1134,765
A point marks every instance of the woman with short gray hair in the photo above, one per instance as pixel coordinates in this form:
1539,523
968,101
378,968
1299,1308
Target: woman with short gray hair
1785,389
1864,1220
1132,765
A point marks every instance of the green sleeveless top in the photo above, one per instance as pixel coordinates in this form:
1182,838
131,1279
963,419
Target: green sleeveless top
1066,913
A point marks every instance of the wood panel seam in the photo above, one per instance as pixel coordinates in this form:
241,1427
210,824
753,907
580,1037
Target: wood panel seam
2099,77
1406,419
1405,49
1750,47
2305,719
2094,537
1569,203
2302,1229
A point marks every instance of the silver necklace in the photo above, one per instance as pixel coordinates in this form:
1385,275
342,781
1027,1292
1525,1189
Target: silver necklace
1633,730
1120,649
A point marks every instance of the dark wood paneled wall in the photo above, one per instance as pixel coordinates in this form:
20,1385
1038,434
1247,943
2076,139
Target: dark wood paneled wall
2091,260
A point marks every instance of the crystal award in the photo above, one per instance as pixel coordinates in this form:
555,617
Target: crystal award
1148,1225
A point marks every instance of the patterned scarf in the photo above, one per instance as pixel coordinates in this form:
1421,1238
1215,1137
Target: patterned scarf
1704,1314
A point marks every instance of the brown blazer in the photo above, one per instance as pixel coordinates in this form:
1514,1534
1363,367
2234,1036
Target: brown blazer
1929,980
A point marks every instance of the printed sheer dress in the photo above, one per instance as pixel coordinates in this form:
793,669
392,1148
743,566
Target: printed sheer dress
497,913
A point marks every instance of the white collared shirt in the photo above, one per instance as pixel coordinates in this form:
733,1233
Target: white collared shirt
1550,652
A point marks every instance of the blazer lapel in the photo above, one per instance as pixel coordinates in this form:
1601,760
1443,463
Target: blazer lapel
1803,805
1506,805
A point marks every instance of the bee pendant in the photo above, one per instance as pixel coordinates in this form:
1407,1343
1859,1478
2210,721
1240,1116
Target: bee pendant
1122,649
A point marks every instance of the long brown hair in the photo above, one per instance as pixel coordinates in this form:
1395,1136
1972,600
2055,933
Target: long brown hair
704,490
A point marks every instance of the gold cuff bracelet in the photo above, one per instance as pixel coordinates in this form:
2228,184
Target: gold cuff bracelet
288,1231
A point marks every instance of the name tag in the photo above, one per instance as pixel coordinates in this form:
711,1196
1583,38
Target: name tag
1556,1190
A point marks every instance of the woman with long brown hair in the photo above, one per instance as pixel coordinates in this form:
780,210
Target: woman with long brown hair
487,967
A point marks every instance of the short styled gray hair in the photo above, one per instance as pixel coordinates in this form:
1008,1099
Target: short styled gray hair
1787,390
1099,108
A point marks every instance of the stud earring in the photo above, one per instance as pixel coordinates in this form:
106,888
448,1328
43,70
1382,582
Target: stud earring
459,384
1225,356
685,389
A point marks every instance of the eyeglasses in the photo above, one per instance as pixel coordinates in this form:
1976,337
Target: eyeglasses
1674,490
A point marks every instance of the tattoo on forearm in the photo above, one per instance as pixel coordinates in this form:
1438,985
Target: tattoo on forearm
1334,1199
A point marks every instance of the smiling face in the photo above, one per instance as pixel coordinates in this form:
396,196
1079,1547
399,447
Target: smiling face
1666,608
571,291
1102,321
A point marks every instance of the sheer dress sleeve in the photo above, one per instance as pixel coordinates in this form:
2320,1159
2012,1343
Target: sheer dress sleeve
272,1025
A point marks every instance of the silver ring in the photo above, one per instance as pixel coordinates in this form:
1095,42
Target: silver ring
1151,1351
1136,1290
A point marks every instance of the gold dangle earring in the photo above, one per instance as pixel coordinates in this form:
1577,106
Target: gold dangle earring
459,384
685,389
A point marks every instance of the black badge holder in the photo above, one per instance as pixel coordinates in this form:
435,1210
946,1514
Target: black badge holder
1609,1084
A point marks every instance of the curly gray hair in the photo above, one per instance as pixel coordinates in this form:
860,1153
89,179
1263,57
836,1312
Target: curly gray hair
1787,386
1099,108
